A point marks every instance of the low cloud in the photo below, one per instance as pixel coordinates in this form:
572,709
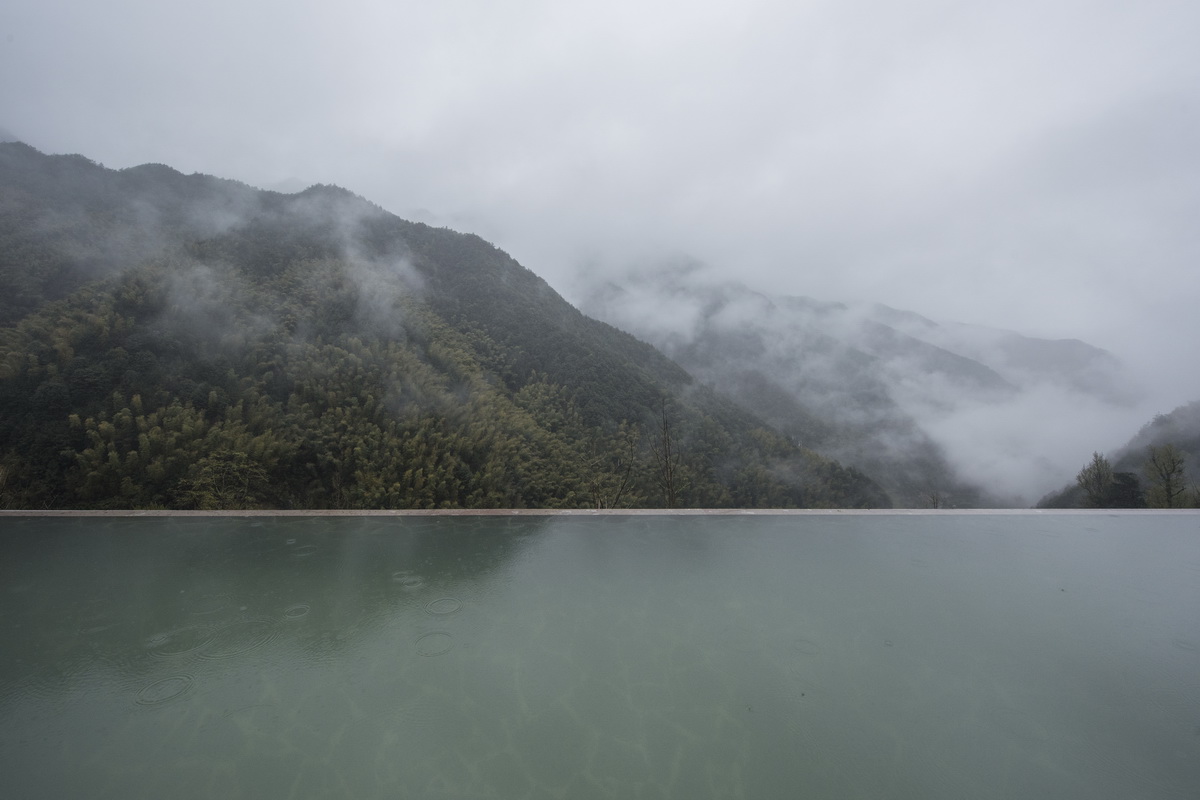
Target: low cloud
1033,443
1012,415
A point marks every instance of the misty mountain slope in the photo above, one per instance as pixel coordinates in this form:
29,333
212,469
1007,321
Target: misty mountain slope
781,361
100,220
928,409
1021,360
1179,428
183,341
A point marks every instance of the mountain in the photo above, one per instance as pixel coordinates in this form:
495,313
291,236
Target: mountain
185,341
884,390
1022,360
1178,429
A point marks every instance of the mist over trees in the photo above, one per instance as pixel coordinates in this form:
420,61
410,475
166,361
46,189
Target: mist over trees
1153,470
176,341
172,341
940,414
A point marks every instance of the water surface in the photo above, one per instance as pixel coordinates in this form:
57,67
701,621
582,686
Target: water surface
1030,656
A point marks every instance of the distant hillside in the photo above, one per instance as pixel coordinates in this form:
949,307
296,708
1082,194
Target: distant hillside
887,391
1180,429
184,341
1021,360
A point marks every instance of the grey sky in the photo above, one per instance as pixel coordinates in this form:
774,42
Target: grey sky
1032,164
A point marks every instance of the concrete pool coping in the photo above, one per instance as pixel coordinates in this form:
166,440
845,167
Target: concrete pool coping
583,512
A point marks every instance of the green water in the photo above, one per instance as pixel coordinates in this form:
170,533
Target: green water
872,657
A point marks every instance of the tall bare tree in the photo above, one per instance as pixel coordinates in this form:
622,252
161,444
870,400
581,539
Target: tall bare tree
610,469
668,460
1096,481
1164,469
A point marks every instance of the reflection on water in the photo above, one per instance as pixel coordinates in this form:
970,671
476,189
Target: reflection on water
607,657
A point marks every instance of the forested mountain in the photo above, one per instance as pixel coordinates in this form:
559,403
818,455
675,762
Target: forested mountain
1163,455
878,388
183,341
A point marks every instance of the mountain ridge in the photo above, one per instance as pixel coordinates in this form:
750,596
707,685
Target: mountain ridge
171,340
873,386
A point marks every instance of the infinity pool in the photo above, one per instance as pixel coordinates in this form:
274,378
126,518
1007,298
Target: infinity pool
639,656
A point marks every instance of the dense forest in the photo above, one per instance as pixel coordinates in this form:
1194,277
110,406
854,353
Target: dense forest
173,341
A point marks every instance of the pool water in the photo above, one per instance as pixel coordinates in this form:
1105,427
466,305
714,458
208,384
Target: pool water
757,656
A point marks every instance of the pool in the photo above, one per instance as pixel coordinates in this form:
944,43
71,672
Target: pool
835,655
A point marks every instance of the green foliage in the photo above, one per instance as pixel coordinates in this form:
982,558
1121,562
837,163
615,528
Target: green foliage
315,352
1099,484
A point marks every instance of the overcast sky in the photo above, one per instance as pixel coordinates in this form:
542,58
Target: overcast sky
1031,164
